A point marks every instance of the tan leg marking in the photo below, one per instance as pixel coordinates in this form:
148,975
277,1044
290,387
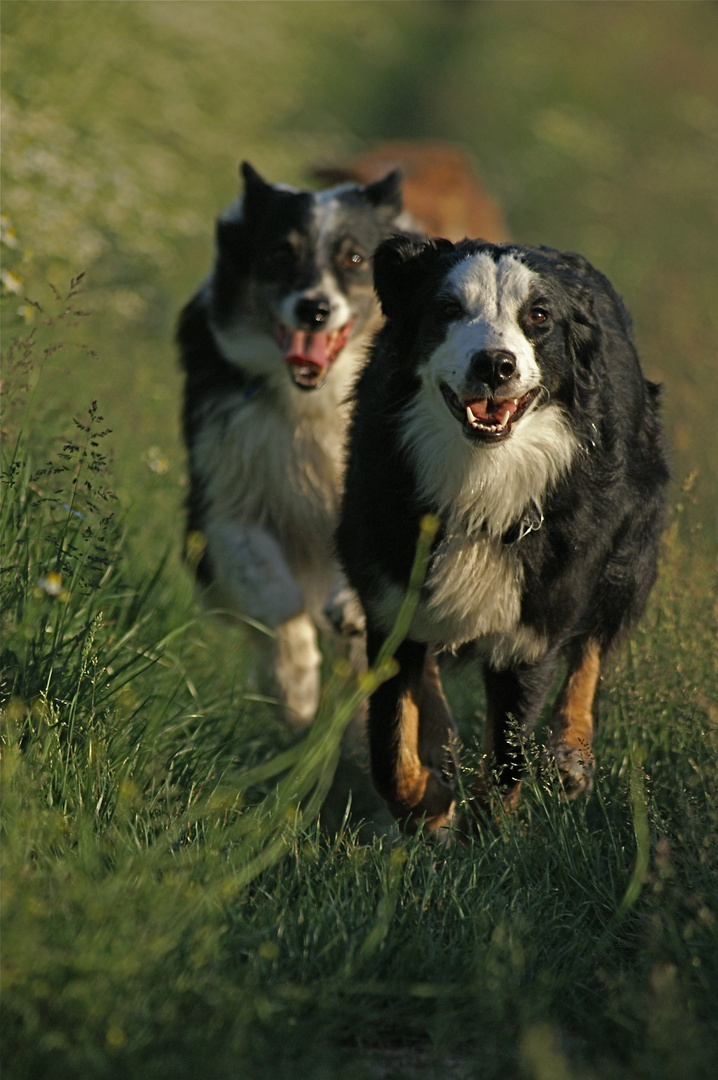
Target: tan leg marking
425,728
572,723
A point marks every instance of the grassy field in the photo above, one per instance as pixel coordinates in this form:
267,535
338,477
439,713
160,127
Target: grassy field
173,905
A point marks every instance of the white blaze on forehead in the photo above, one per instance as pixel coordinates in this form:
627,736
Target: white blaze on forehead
327,211
493,290
333,214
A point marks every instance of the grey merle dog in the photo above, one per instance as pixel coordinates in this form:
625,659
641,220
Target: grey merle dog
270,346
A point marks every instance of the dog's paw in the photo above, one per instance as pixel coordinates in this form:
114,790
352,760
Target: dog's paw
429,802
345,613
575,768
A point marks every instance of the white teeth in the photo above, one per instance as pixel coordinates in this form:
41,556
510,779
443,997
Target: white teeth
505,418
469,415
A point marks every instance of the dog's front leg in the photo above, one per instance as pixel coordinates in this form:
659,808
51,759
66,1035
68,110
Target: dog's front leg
573,719
410,736
251,577
514,698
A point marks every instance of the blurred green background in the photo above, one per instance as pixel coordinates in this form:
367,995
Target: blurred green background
595,125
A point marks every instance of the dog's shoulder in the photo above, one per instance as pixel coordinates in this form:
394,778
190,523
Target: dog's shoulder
194,335
377,402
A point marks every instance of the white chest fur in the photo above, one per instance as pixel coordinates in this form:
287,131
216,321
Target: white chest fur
276,468
474,587
472,593
475,489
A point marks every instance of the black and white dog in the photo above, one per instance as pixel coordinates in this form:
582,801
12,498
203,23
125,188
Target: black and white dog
270,346
503,396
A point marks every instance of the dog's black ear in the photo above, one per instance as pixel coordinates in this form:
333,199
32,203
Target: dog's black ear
596,303
606,299
578,263
586,281
251,177
403,268
386,192
256,188
229,236
585,337
231,232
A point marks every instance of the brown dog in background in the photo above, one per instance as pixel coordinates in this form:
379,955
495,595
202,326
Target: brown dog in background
441,187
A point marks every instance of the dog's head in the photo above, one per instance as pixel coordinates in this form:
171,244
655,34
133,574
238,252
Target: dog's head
492,332
294,267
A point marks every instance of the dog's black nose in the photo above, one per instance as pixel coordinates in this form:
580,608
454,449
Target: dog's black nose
494,367
312,311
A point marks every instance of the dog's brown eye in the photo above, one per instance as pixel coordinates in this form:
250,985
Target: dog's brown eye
353,258
451,309
538,316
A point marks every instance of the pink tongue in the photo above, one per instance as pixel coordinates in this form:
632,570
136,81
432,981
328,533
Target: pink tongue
492,409
307,348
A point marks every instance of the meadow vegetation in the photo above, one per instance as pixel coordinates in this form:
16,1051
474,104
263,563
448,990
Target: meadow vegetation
174,902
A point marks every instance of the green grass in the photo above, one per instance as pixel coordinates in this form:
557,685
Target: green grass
167,912
571,940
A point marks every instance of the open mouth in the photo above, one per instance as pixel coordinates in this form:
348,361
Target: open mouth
488,419
309,356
